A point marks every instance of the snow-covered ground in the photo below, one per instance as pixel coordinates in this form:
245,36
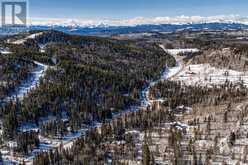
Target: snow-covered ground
42,48
46,144
20,92
67,141
166,74
4,51
206,75
29,84
22,41
181,51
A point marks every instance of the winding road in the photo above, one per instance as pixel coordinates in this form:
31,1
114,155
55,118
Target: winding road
29,84
145,101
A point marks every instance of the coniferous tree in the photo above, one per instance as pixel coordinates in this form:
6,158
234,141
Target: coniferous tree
146,155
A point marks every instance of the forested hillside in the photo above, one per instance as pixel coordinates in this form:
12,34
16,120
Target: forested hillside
89,80
13,70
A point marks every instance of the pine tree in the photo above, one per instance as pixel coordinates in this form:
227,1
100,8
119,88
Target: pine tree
225,117
1,159
146,155
23,162
232,138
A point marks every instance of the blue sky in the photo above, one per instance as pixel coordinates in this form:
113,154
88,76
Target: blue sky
123,9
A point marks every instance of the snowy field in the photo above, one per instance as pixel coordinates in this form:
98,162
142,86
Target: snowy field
206,75
181,51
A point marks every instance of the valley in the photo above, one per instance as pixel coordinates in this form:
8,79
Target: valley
174,98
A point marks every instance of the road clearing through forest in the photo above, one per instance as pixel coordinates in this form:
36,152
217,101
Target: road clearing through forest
29,84
144,103
67,141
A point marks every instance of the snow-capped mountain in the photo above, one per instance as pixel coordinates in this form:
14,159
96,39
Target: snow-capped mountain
178,20
136,25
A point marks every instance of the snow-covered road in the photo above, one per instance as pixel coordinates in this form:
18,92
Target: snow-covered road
33,81
20,92
67,141
4,52
34,77
166,74
28,84
144,102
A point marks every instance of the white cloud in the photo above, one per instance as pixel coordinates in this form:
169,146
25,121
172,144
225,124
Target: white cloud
140,21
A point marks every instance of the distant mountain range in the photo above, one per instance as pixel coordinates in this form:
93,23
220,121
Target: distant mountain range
103,29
